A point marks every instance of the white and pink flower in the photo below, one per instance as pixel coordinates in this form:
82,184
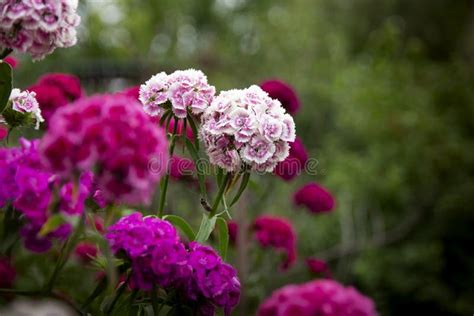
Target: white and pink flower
246,127
38,27
25,102
184,89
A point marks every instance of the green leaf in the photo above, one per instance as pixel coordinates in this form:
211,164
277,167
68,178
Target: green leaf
223,236
243,186
195,131
164,117
181,224
207,226
51,225
5,84
197,162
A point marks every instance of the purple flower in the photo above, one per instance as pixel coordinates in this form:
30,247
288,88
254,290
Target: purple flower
276,232
136,235
314,197
284,93
215,280
321,297
111,135
28,186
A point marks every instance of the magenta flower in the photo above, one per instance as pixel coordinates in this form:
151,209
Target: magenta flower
111,135
3,132
276,232
86,251
7,273
131,92
292,166
38,27
181,168
213,279
318,266
28,186
320,297
284,93
12,61
246,127
314,197
233,228
54,91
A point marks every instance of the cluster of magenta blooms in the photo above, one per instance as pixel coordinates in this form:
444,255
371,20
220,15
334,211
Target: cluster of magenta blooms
158,257
53,175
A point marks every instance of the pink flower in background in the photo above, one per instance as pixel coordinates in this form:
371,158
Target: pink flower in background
131,92
246,127
12,61
276,232
38,27
284,93
293,165
3,132
180,128
111,135
233,228
314,197
321,297
7,273
55,90
318,266
181,168
86,251
183,90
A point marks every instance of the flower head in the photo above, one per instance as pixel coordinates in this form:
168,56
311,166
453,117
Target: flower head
284,93
28,185
276,232
54,91
38,27
314,197
289,168
246,127
111,135
318,266
320,297
25,103
184,90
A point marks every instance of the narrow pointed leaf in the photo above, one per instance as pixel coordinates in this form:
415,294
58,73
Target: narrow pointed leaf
51,225
223,236
195,131
182,225
207,226
197,162
243,185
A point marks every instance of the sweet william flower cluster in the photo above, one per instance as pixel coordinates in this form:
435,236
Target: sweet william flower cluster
113,136
158,257
320,297
246,127
38,27
24,108
184,90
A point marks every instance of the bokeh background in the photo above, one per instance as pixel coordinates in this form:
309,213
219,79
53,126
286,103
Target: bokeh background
387,110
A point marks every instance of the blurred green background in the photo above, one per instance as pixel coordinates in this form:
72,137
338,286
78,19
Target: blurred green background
388,111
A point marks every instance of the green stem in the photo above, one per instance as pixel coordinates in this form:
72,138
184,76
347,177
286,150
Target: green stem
119,293
164,185
65,252
6,52
219,195
154,302
97,291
